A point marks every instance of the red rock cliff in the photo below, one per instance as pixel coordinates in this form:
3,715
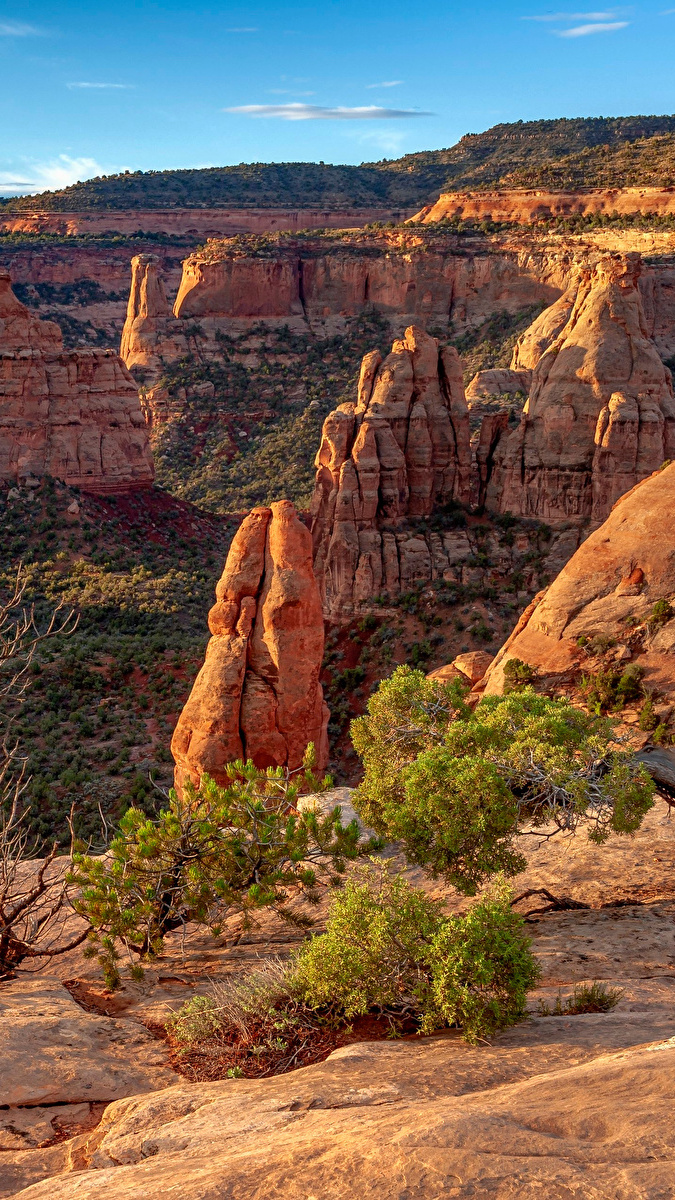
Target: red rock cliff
258,694
399,452
600,416
73,414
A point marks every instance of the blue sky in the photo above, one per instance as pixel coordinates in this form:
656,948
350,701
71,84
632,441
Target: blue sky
95,88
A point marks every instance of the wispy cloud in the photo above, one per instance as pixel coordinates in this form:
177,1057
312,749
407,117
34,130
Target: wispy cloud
243,29
389,83
49,176
288,92
585,30
587,16
19,29
122,87
316,112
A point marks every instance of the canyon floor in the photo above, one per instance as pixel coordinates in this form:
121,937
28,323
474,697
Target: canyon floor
563,1106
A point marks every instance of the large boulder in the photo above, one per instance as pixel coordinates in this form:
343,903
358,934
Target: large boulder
258,694
72,414
600,415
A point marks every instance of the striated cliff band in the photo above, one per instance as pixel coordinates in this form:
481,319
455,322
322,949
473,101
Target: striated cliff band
71,414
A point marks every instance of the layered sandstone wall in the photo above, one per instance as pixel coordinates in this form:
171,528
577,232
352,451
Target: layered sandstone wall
198,222
258,694
600,415
71,414
525,206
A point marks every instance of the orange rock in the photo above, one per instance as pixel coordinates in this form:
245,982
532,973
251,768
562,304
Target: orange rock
609,586
601,414
258,694
150,336
403,450
73,414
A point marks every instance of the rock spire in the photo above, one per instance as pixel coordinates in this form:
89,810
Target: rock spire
600,415
258,694
400,451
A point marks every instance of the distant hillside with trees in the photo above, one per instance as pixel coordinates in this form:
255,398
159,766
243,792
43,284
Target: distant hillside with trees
566,153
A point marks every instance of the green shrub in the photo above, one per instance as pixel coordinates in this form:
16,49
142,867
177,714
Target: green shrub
457,787
221,850
387,946
648,719
661,613
586,998
517,674
610,690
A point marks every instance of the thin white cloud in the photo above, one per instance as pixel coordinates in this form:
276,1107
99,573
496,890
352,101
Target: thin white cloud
19,29
50,176
587,16
123,87
316,112
389,83
244,29
585,30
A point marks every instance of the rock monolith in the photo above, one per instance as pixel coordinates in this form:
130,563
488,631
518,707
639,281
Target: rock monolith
258,693
609,588
401,451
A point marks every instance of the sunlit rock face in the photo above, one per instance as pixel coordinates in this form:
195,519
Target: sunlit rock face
401,451
600,415
258,694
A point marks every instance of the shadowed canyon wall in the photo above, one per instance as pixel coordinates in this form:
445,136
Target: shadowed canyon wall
74,415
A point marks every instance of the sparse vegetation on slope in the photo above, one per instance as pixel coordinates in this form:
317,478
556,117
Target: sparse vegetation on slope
101,704
477,160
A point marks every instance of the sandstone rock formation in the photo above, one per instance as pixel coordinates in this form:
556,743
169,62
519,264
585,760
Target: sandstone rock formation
585,1111
52,1052
600,415
258,694
400,452
499,382
73,414
148,337
526,205
608,587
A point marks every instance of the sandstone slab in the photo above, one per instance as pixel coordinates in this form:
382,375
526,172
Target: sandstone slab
52,1052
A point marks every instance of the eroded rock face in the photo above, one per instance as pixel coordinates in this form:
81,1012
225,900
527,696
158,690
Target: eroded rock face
258,694
149,336
609,587
73,414
401,451
499,381
600,415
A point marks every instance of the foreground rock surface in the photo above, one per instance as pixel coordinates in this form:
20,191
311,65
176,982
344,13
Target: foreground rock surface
72,414
258,694
421,1121
563,1107
52,1052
